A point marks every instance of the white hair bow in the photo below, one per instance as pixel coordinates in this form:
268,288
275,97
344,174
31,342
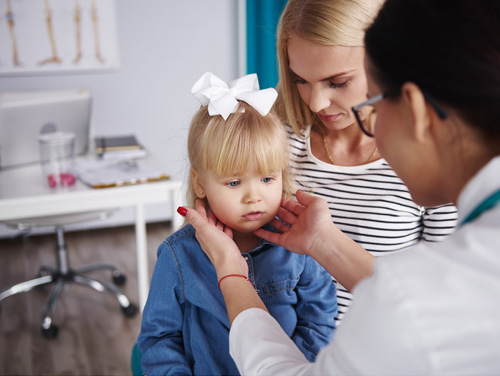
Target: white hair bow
222,99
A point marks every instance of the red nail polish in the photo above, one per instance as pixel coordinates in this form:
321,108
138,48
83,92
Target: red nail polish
182,211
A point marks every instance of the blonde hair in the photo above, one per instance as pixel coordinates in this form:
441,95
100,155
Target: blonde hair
324,22
227,147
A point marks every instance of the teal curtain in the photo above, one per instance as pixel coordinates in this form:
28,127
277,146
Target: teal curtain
262,19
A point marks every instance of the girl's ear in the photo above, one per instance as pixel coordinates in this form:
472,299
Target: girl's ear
197,184
421,112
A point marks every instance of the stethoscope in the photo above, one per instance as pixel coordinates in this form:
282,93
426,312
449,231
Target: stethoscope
488,203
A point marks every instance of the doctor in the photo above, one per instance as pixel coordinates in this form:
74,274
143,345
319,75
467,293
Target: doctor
433,72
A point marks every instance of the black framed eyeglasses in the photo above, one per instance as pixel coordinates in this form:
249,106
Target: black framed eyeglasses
392,93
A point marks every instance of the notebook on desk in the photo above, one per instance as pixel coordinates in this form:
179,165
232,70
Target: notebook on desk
25,115
119,147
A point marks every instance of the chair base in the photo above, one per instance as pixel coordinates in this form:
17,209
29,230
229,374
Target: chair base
63,275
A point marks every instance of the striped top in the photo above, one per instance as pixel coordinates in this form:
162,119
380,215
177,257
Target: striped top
369,203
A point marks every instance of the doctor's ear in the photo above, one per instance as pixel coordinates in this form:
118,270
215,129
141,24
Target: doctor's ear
198,184
422,113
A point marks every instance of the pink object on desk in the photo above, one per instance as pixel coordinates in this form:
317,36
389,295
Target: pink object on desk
65,179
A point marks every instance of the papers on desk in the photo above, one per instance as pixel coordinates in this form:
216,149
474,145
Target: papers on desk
105,174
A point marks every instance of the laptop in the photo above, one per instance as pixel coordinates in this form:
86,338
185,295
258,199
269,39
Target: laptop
26,115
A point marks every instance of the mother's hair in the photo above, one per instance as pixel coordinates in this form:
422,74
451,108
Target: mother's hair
327,23
450,48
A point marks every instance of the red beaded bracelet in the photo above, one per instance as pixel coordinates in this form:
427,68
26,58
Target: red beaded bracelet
234,275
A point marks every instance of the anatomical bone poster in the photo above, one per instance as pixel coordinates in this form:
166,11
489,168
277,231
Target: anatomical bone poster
57,36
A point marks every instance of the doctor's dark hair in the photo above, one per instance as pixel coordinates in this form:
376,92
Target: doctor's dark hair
450,48
227,147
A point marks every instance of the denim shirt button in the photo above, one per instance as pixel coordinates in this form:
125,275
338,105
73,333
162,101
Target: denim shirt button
246,258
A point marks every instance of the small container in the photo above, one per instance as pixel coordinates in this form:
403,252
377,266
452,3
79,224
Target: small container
57,154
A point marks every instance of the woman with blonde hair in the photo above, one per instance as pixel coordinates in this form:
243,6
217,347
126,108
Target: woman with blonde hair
320,51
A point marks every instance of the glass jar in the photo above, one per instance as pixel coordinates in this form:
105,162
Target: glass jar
57,154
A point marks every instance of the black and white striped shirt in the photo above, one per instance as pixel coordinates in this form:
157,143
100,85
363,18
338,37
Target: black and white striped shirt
369,203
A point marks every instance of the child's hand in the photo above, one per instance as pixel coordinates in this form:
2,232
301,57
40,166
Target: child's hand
216,240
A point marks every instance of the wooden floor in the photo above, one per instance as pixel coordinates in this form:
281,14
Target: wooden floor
94,338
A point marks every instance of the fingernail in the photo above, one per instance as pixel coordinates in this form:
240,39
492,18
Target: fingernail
182,211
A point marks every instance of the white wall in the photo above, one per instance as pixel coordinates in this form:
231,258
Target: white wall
164,46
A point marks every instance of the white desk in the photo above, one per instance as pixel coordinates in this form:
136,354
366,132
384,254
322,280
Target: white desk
22,195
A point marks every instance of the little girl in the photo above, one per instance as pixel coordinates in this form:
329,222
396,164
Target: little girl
238,153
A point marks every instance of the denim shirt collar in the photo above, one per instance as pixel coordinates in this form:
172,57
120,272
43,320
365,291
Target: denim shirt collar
263,244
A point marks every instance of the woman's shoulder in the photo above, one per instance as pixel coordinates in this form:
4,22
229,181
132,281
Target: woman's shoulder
303,134
299,144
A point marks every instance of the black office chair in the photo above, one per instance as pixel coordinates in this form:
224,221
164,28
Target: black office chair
63,274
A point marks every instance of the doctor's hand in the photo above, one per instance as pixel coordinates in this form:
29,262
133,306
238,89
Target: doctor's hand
216,240
306,227
301,224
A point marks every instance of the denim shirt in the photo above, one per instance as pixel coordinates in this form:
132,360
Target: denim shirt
185,327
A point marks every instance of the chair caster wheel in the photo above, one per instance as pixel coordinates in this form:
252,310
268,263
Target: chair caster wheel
51,332
130,311
119,280
43,273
